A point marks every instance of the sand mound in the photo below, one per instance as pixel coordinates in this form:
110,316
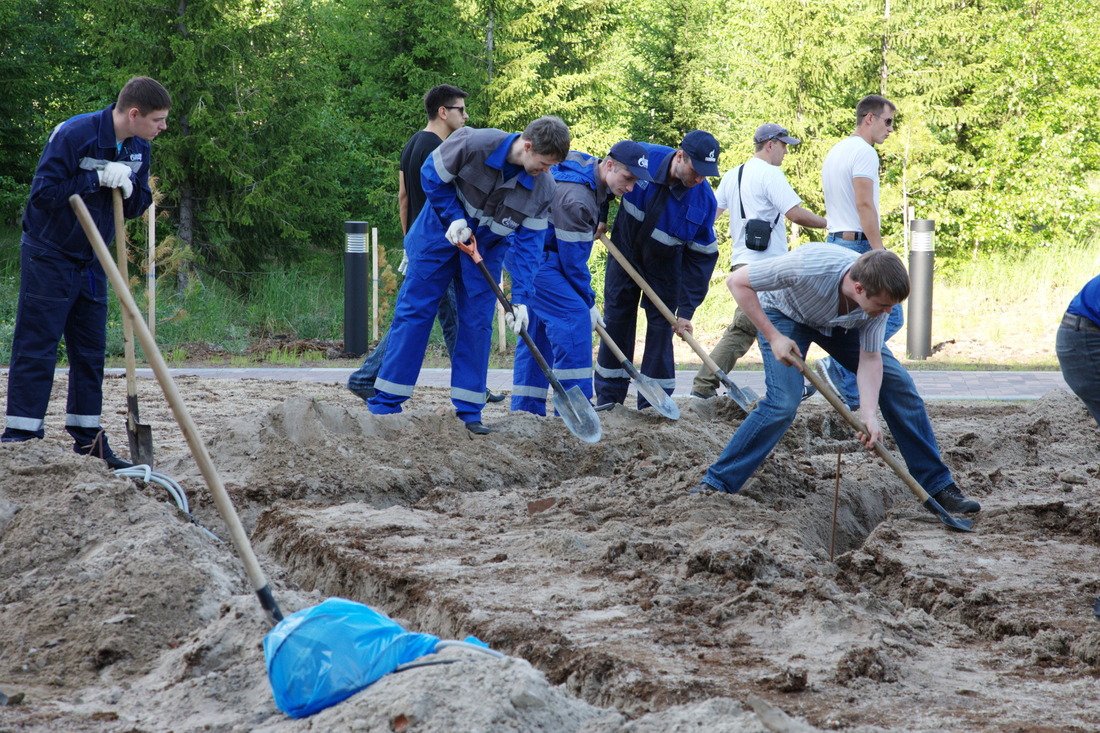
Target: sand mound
625,604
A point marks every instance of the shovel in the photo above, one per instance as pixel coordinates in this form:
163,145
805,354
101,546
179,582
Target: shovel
575,409
140,435
187,426
647,386
963,525
745,398
317,656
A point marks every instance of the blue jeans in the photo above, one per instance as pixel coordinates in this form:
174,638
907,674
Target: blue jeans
902,408
362,380
844,379
1079,356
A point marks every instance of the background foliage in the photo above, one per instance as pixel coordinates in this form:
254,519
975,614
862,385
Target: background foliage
290,114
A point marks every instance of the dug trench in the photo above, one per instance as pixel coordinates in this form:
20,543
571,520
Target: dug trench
591,562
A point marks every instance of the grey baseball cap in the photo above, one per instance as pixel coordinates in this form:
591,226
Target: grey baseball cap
771,131
634,156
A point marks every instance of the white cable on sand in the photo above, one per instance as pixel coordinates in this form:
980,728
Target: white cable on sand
149,476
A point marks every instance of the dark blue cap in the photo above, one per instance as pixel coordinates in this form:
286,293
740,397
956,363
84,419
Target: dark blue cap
634,156
703,150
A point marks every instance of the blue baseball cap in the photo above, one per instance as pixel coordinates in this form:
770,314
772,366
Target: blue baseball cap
703,150
634,156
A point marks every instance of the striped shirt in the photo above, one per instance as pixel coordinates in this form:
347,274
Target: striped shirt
804,285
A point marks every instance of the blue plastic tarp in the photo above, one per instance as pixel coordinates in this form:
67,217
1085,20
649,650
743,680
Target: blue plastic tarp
324,654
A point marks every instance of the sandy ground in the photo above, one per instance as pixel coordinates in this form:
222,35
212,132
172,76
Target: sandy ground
622,602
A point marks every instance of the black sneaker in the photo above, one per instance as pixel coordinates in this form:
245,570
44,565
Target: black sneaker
952,500
808,391
363,393
103,452
115,463
490,397
477,428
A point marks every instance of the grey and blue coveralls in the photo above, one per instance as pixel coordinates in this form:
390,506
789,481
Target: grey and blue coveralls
561,325
62,287
465,178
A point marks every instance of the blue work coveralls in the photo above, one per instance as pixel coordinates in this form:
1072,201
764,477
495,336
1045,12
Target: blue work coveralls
676,260
561,324
464,179
62,287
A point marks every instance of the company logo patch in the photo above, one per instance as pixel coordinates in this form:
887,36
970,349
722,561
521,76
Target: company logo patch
711,157
509,222
643,162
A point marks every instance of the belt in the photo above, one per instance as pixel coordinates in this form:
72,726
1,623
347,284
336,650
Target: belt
851,236
1079,323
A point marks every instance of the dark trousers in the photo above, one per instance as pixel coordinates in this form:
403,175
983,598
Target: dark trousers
57,297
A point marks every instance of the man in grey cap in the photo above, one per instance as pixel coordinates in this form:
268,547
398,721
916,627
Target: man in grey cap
665,228
563,312
757,195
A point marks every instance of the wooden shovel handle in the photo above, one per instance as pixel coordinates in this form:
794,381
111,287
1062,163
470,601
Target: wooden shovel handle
179,409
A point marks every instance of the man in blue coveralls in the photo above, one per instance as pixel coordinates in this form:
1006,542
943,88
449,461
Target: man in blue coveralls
665,229
486,183
563,312
62,287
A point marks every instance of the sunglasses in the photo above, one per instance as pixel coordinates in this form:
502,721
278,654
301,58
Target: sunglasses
889,121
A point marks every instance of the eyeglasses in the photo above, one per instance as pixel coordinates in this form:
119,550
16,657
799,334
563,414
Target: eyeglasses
888,121
460,109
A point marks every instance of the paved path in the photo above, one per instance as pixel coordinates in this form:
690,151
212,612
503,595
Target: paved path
932,385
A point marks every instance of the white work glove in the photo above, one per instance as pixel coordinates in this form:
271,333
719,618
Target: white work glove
458,231
597,317
518,319
404,262
116,175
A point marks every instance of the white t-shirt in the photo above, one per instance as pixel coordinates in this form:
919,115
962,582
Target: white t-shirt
850,158
765,195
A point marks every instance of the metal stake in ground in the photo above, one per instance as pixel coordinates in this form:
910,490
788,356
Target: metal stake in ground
836,502
744,397
575,409
963,525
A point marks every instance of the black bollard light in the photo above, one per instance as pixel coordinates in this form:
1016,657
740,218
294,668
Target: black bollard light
355,288
921,261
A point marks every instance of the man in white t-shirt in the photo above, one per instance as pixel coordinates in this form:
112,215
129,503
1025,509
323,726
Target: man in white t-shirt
850,181
755,190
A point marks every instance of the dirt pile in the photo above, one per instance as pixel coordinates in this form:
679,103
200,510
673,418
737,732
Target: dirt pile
625,603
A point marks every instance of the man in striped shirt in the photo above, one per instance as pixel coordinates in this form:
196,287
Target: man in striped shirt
831,296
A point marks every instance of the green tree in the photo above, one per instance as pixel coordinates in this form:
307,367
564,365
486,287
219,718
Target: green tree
246,161
44,83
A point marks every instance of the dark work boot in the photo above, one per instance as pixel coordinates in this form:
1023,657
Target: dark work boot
477,428
99,448
953,500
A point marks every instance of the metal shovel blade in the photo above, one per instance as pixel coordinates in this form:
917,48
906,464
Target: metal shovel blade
140,435
654,393
963,525
577,413
745,397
